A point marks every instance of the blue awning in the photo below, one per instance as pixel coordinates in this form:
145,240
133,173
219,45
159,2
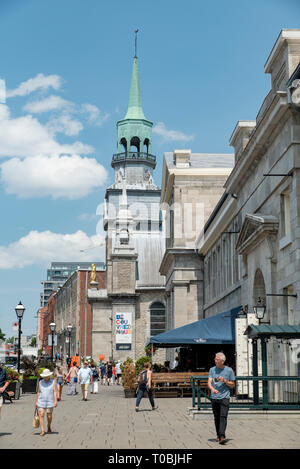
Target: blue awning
217,329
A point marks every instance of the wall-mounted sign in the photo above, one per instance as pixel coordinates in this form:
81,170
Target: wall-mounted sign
123,328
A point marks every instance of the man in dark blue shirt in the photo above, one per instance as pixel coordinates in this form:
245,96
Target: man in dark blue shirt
220,379
3,378
3,382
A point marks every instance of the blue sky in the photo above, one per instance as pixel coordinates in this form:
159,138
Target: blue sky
67,65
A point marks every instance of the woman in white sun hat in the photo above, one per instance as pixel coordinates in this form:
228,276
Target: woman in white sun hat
46,399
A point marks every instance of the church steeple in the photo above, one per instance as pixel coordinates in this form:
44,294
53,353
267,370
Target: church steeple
134,159
135,110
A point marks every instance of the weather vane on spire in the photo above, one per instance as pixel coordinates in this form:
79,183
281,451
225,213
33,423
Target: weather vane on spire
135,48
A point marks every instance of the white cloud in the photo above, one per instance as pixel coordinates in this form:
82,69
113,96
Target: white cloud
50,103
44,247
56,176
87,217
171,135
64,124
94,116
25,136
39,82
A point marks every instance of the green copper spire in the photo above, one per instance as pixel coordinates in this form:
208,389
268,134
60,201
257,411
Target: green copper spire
135,110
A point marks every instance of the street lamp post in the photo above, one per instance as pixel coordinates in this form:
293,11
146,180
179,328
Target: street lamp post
19,312
52,328
69,328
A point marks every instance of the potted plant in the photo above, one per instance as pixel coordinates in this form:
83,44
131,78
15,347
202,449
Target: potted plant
30,378
14,382
129,381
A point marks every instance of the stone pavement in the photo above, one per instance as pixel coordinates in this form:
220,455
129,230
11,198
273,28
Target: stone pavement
108,420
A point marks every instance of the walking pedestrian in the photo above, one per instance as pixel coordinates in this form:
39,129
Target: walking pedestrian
46,399
118,372
84,379
3,383
103,372
113,373
73,376
220,380
95,379
144,380
108,372
60,379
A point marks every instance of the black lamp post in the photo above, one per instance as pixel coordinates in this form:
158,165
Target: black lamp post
19,312
52,328
69,329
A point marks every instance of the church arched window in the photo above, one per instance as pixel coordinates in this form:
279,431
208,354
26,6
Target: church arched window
135,144
123,142
157,318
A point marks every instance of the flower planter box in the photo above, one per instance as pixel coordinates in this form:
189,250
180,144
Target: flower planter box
129,392
29,385
15,387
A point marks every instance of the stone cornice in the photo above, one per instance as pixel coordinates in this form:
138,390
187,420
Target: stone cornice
258,142
169,255
170,174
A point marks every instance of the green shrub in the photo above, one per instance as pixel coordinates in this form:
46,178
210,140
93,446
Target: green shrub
12,375
140,364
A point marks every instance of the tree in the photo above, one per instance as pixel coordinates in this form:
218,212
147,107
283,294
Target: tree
33,342
2,335
10,340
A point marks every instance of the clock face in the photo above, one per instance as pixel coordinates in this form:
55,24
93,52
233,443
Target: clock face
296,96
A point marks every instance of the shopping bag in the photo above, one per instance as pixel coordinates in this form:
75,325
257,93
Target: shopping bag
36,419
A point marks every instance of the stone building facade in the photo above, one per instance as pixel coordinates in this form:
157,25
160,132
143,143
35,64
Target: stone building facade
192,184
251,243
70,306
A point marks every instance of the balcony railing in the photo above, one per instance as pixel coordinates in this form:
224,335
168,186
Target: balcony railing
133,155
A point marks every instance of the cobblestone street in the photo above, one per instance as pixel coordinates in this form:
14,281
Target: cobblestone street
108,420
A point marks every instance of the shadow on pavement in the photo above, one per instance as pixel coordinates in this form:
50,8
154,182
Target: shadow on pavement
4,434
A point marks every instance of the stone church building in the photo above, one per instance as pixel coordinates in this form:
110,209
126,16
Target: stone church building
132,307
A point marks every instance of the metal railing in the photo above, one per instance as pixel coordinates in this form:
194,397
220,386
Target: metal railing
254,392
133,155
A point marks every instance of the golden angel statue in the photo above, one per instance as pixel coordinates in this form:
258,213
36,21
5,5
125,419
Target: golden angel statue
93,273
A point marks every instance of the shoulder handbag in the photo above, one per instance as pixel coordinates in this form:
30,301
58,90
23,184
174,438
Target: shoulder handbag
36,419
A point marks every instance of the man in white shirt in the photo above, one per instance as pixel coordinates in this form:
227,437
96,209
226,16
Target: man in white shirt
85,377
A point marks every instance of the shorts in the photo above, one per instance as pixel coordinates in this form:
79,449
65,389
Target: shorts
60,382
119,375
49,410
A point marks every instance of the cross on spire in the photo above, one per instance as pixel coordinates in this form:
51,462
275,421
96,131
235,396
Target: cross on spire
135,45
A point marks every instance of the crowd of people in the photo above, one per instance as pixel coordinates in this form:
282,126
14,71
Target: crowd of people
89,375
221,380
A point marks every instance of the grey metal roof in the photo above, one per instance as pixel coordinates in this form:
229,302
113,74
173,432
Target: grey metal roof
205,160
267,330
150,249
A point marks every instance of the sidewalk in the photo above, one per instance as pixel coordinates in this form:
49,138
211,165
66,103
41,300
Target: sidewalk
108,420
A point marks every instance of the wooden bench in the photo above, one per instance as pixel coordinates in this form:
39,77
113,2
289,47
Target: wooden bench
174,384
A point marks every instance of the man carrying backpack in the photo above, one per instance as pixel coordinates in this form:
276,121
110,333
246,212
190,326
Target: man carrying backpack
144,380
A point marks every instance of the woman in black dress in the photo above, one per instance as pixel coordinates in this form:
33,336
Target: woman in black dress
108,372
